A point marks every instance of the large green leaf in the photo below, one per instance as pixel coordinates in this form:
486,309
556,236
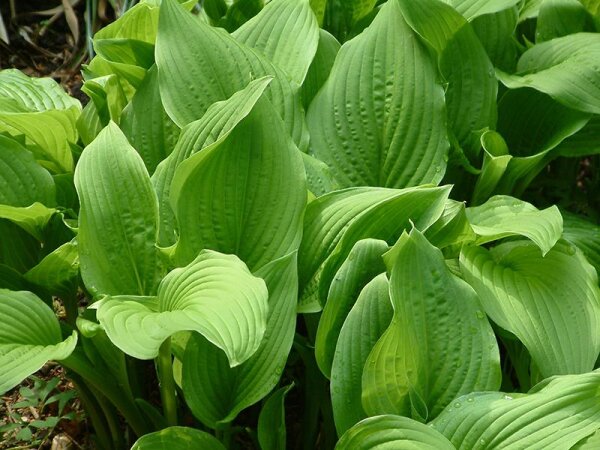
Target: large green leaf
585,235
217,393
22,180
366,322
118,220
244,195
452,228
503,216
583,143
563,68
32,219
385,124
495,32
146,124
469,74
44,113
527,295
58,272
215,295
215,125
212,66
554,415
336,221
363,263
439,344
29,337
558,18
178,438
474,8
392,432
287,33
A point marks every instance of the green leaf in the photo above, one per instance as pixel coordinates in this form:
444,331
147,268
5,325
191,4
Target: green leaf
217,393
39,109
585,235
502,216
32,219
363,263
366,322
474,8
559,18
554,415
320,67
384,125
583,143
495,32
525,294
589,443
22,180
29,337
254,186
563,68
388,431
336,221
289,44
146,124
19,250
216,124
177,438
439,344
318,176
139,22
213,66
58,272
118,220
464,65
215,295
495,162
271,421
452,228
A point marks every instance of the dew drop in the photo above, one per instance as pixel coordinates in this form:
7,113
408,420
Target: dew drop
470,399
482,441
507,397
457,404
571,250
480,315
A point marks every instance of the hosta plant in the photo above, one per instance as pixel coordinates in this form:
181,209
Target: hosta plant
314,224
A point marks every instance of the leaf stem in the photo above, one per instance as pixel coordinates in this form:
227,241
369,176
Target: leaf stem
164,364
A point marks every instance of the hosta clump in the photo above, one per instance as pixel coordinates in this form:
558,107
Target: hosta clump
331,207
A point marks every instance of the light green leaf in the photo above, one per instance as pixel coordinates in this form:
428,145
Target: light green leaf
392,432
217,393
58,272
530,9
363,263
146,124
336,221
108,96
320,67
559,18
384,125
554,415
366,322
474,8
495,161
271,421
318,176
585,235
118,220
563,68
213,66
29,337
22,180
525,294
502,216
464,65
139,22
289,44
318,7
32,219
215,125
589,443
178,438
244,195
439,344
215,295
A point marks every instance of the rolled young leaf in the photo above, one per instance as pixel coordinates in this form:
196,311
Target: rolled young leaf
385,124
366,322
551,303
215,295
118,220
29,337
439,344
